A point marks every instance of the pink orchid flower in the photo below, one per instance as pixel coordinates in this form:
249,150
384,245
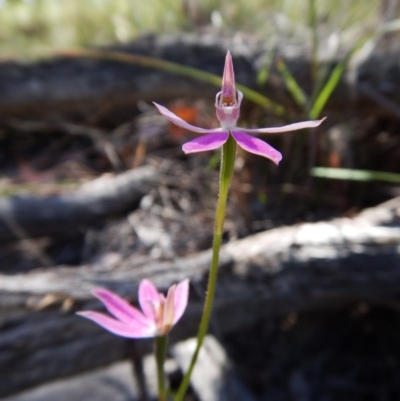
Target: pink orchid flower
159,313
227,104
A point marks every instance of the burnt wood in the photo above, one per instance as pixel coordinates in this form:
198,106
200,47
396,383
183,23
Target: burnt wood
95,90
306,267
27,216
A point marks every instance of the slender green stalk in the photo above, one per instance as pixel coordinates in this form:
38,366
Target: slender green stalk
334,78
160,351
298,95
227,164
265,70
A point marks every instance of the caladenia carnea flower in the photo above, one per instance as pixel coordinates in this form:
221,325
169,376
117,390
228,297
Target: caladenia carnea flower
159,313
227,105
227,136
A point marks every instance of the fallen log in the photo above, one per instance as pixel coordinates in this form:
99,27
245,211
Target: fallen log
100,90
34,216
111,383
213,378
301,268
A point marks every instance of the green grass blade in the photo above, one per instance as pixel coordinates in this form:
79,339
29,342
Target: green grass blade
355,175
263,74
333,80
179,69
290,81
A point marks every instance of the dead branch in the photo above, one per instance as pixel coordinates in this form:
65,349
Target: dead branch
34,216
93,90
300,268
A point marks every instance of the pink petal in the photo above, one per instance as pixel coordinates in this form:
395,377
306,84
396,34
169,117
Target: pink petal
202,143
256,146
181,123
181,299
121,309
117,327
148,297
285,128
169,309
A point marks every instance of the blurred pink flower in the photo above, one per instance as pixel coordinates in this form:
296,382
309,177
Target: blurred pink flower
227,104
158,315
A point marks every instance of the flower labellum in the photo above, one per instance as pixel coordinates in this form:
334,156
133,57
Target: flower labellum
159,313
227,105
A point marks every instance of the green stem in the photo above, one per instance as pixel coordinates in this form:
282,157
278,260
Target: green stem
160,351
227,164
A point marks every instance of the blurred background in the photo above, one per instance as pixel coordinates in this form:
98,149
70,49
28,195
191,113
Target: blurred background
33,26
96,191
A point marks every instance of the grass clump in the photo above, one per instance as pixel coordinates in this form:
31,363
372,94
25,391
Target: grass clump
28,27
